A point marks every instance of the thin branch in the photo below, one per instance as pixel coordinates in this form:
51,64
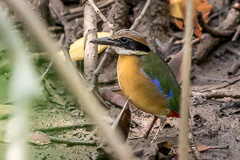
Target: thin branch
111,27
210,30
221,94
185,97
45,73
222,85
100,4
236,35
90,49
140,17
86,125
99,68
73,142
76,82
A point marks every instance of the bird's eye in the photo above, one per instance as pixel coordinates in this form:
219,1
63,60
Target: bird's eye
124,39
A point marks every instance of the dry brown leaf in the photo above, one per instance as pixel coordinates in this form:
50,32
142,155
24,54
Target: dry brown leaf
124,123
178,9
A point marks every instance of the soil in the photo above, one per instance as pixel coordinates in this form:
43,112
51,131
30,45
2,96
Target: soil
214,122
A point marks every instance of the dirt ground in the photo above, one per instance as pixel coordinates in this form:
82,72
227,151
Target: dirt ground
215,122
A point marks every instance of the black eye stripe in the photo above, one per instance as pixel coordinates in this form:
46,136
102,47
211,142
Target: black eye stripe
131,44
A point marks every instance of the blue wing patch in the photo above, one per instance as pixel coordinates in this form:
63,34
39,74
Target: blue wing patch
158,84
155,80
170,95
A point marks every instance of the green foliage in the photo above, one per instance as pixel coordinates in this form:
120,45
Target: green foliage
5,73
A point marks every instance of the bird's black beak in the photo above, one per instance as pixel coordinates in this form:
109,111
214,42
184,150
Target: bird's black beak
104,41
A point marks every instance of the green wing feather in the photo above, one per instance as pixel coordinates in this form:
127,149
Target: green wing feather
160,73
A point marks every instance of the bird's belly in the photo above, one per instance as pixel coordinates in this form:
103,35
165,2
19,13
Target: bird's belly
139,88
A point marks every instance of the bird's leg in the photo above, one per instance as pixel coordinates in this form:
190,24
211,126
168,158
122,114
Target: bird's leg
150,127
163,121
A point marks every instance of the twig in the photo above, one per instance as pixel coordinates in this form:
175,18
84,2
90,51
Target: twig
213,32
139,18
211,79
90,49
218,13
194,41
111,27
86,125
221,94
45,73
77,84
100,98
236,35
99,68
73,142
73,16
100,6
185,97
223,85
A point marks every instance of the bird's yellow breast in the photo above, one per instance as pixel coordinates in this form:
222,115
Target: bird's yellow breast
143,93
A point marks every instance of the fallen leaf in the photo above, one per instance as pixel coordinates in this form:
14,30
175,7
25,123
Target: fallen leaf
115,98
76,50
123,121
178,11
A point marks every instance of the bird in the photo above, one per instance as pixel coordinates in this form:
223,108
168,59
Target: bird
144,77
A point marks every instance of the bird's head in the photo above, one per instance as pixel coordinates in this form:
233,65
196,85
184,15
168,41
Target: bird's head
126,42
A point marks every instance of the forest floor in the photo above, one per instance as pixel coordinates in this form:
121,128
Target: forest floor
215,121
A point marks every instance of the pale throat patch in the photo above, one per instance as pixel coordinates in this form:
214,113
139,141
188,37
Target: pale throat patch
128,52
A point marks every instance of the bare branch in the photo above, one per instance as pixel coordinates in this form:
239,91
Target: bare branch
85,125
140,17
220,94
45,73
185,97
90,49
236,35
73,142
111,27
